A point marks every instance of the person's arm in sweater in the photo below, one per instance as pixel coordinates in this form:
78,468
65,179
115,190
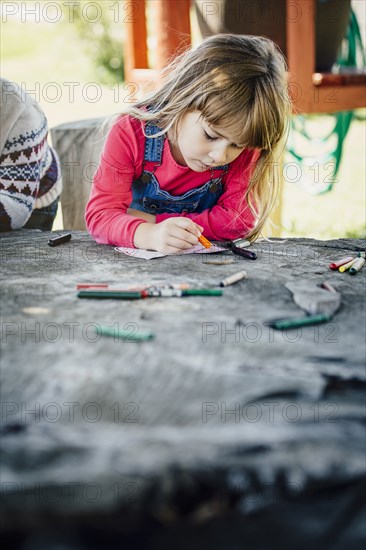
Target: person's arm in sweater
29,169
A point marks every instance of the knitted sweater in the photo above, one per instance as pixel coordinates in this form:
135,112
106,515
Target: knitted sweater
30,176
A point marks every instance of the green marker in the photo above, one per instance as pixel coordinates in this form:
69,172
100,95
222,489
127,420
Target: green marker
125,334
147,293
178,293
202,292
297,322
101,294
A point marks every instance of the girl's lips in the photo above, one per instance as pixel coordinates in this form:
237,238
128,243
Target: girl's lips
206,166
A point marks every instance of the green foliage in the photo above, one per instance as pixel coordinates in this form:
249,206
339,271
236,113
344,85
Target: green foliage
100,29
356,233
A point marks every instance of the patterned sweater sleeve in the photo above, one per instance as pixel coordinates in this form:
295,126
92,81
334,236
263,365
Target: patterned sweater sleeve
29,169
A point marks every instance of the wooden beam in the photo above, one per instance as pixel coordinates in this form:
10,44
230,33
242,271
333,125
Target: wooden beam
330,99
353,77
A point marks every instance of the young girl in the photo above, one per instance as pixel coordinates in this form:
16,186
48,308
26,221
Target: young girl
199,155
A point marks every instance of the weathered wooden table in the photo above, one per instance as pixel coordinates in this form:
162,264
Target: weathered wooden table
218,433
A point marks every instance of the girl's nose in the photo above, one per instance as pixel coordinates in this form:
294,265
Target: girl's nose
219,154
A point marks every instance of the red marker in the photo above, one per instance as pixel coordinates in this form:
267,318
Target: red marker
91,285
336,265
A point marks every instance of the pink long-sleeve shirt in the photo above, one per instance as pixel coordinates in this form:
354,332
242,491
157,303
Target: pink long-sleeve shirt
122,162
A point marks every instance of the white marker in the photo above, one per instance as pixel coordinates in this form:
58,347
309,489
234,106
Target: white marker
234,278
357,265
241,243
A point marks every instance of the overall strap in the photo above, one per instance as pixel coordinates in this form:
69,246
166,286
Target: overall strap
153,145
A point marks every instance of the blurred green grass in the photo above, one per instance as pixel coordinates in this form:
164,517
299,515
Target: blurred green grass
35,54
340,212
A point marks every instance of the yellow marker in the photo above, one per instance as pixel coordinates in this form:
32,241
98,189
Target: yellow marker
357,266
346,266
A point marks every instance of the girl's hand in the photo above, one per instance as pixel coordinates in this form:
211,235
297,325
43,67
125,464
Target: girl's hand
143,215
169,237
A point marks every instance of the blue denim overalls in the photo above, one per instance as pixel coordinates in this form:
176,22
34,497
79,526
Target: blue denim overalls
149,197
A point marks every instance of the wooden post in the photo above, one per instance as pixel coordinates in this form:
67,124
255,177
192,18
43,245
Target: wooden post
135,54
300,29
300,32
173,28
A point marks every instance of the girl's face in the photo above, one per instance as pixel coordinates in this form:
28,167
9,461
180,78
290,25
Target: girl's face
201,146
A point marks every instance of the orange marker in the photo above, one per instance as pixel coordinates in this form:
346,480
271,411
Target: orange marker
205,242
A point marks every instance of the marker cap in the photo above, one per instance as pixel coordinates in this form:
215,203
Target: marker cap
357,266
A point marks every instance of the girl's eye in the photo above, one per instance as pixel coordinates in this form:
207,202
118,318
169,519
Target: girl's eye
210,138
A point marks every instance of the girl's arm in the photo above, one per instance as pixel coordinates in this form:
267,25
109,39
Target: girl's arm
231,217
109,224
170,236
143,215
108,216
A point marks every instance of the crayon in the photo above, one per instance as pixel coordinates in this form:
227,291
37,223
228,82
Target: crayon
337,264
346,266
361,254
233,278
56,241
205,242
243,252
297,322
124,334
357,266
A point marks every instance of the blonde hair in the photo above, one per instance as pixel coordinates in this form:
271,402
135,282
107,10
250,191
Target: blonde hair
238,83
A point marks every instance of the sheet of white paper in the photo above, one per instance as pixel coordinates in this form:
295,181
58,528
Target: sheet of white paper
150,254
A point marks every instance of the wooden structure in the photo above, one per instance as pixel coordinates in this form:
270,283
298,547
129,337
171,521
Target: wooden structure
173,32
79,143
312,92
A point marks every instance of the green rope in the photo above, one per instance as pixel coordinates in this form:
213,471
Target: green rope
324,165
